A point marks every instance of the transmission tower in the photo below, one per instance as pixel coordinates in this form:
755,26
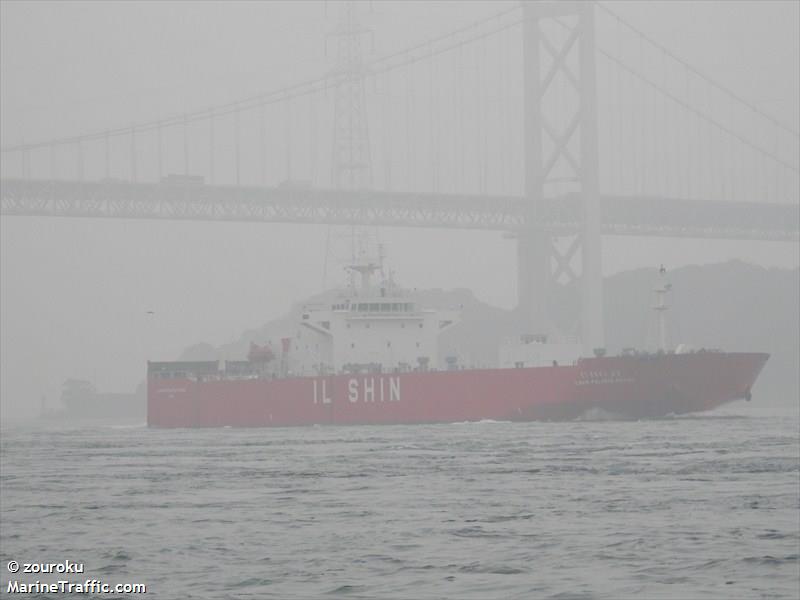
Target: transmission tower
352,165
351,162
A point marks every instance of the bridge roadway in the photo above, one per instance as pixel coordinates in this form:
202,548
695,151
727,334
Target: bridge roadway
620,215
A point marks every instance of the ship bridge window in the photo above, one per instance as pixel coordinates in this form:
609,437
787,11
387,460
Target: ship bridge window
363,307
374,307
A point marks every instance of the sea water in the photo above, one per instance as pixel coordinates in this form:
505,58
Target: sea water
702,506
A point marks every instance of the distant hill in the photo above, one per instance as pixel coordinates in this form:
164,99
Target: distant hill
732,305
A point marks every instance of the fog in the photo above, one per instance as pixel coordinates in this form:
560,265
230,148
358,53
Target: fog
94,299
567,364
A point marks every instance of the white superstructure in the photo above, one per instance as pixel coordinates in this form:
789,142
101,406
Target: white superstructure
374,327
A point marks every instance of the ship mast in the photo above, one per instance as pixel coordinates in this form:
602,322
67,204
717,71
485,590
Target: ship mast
661,307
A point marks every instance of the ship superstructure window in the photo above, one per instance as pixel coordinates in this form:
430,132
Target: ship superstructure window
383,307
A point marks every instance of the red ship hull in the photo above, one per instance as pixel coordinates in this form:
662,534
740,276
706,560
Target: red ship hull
626,386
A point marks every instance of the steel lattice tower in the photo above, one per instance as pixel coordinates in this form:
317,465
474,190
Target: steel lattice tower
351,162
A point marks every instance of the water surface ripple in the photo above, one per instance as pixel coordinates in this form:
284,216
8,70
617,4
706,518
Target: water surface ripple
698,507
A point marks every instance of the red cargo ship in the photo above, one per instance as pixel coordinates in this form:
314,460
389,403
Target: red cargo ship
370,357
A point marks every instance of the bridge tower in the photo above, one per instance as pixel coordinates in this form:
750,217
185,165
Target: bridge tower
561,156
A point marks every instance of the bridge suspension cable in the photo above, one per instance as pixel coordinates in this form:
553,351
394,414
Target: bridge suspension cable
706,117
389,62
730,93
620,63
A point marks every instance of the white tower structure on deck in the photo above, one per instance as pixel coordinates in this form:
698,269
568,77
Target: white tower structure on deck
661,307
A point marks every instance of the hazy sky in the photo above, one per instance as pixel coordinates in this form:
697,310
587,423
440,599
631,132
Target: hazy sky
75,293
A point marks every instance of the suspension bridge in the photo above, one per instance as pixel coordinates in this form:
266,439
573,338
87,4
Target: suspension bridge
558,122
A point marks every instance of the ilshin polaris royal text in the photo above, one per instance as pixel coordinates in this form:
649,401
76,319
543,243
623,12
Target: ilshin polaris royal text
370,356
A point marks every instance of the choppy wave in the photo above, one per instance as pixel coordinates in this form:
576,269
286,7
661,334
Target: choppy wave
700,506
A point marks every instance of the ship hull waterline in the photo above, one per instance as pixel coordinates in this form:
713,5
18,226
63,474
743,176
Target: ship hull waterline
628,387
